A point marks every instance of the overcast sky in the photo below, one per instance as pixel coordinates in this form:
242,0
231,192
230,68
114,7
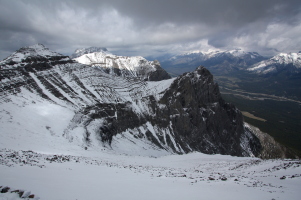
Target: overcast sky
151,27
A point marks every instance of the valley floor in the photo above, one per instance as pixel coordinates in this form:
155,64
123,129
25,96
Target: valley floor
106,175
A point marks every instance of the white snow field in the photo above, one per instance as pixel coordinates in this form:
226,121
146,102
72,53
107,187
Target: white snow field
104,175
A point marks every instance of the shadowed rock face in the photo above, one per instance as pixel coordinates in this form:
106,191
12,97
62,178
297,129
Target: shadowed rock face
159,74
200,118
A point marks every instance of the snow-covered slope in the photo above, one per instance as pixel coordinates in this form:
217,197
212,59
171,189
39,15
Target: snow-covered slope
133,67
290,62
59,104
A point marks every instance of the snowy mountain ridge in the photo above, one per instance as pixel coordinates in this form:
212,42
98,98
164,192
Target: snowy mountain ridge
81,51
238,58
291,61
215,53
35,53
219,62
135,67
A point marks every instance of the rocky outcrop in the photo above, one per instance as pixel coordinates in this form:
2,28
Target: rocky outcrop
22,194
158,74
201,119
271,149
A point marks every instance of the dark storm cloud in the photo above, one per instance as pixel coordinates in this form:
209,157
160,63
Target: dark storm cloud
146,27
235,12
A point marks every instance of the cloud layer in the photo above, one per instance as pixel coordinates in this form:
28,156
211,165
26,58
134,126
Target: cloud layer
138,27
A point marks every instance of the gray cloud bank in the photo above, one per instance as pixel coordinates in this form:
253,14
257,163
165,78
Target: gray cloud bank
139,27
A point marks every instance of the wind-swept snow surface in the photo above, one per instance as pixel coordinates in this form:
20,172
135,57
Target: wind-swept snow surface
93,175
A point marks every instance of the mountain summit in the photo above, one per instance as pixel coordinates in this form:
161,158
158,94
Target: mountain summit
133,67
32,54
81,51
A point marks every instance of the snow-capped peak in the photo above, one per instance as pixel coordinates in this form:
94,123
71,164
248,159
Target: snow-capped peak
216,53
37,53
286,58
38,47
135,66
275,63
37,50
238,52
34,50
82,51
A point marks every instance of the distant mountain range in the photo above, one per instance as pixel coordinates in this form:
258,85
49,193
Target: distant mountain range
225,62
288,62
215,57
218,62
249,71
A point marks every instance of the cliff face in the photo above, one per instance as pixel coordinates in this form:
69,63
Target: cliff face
125,114
202,120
